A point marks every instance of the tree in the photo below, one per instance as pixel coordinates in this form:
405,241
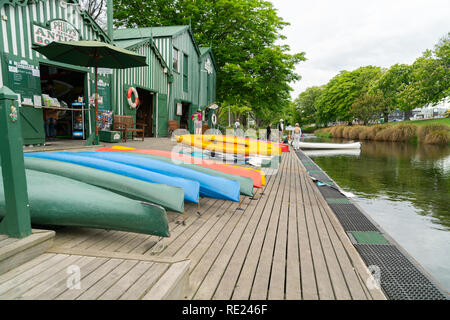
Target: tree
368,107
391,86
306,105
253,70
430,77
342,91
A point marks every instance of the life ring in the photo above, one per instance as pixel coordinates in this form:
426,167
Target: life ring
131,91
214,119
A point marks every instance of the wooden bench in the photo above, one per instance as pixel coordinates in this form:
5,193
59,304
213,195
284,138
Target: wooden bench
173,125
126,124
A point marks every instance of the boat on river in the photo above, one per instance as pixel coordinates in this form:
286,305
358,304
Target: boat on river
327,145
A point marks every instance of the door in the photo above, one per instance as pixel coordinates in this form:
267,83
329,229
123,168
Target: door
163,116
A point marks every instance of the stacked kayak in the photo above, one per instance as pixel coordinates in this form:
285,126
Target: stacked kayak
246,184
257,176
171,198
230,145
56,200
191,188
247,141
210,186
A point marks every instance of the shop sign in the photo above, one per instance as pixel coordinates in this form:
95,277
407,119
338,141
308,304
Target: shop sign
60,30
208,66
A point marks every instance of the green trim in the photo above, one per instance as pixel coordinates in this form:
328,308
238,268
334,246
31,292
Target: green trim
369,238
338,201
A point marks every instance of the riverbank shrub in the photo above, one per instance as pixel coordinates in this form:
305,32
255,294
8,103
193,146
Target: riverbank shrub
405,132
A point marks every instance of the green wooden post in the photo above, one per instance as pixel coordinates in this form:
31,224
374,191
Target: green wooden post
16,222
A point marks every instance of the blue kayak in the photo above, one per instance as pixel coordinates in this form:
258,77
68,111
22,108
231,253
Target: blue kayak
191,188
210,186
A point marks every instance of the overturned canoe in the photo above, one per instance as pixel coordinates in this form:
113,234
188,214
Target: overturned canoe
323,145
246,184
247,141
210,186
191,188
59,201
209,143
171,198
182,158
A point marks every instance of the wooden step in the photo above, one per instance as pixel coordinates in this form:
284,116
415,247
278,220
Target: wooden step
14,252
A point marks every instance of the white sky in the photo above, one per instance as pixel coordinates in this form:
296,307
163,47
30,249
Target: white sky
347,34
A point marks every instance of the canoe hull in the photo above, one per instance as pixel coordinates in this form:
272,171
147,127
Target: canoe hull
255,175
170,198
320,145
191,188
60,201
246,184
210,186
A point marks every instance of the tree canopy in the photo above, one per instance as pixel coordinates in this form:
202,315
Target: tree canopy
253,70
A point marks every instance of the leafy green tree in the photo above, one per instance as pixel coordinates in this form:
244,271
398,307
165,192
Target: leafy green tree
391,86
306,105
253,70
430,77
342,91
368,107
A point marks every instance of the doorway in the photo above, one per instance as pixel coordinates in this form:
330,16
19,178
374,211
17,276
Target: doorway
62,90
144,112
184,118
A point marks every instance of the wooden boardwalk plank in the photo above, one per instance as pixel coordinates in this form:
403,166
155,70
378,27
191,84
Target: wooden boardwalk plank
141,287
44,275
90,280
260,287
307,272
108,280
59,279
278,272
338,283
61,286
30,273
213,276
254,244
225,288
121,286
293,281
201,261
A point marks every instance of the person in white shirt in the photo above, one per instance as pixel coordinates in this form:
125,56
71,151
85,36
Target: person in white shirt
236,127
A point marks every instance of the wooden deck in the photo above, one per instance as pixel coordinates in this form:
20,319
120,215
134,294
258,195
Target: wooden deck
286,244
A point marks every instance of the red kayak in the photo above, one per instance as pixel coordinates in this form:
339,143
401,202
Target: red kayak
252,174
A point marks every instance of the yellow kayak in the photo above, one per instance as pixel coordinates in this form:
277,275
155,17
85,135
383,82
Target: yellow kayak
238,146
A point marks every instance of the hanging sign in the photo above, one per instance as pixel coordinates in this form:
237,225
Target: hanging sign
60,30
179,109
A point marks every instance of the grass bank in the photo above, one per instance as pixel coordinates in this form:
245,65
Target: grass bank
436,131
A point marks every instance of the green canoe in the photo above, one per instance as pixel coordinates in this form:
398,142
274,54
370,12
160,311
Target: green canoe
171,198
60,201
246,184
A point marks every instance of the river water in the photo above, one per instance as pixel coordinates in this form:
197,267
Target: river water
405,188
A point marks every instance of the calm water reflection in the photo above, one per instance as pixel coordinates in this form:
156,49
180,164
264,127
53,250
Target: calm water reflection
406,189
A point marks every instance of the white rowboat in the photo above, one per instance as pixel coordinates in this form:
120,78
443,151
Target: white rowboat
321,145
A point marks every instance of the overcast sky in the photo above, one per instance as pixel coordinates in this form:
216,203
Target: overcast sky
346,34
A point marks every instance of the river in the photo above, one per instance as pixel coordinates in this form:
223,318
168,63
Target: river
405,188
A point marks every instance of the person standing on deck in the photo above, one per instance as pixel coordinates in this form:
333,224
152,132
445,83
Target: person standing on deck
296,137
280,130
197,118
236,127
268,131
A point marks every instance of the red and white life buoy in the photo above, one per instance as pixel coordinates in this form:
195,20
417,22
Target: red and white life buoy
132,104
